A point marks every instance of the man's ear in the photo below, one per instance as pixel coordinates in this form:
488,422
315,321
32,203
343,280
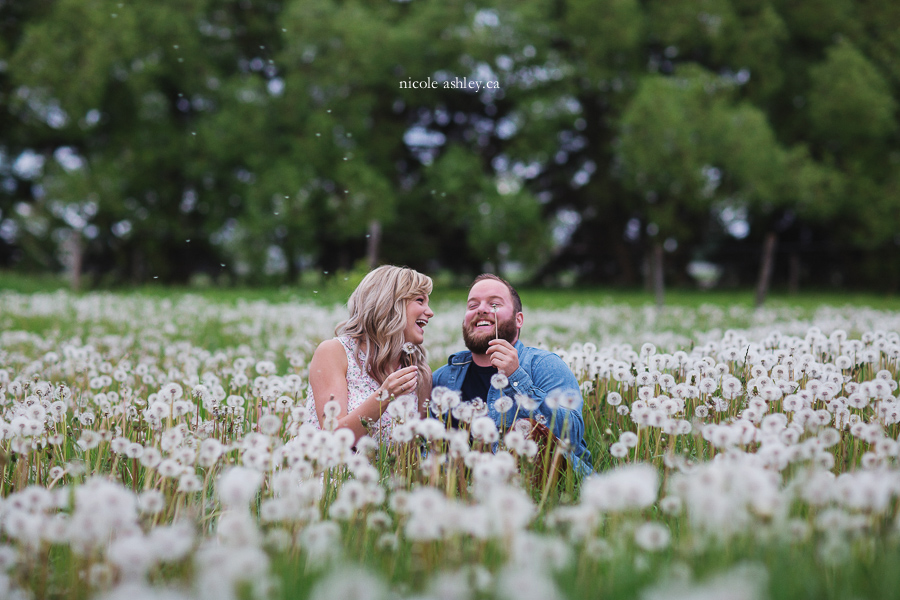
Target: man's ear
520,319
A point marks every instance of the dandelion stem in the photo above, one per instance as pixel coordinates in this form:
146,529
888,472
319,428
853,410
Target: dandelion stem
550,478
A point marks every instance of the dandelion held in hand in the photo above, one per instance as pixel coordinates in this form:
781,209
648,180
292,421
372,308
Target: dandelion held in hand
496,327
408,349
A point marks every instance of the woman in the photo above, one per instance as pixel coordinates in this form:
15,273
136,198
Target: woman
377,355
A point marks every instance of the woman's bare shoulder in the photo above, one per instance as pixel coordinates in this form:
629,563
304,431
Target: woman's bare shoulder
330,351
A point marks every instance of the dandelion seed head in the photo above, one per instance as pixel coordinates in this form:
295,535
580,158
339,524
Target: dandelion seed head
652,537
527,403
618,450
499,381
238,486
623,488
270,424
265,367
503,404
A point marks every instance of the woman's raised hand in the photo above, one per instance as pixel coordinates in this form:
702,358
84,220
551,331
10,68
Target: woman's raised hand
400,382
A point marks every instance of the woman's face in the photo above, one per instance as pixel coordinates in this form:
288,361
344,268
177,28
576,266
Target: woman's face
417,315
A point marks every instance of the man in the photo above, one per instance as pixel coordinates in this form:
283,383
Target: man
490,329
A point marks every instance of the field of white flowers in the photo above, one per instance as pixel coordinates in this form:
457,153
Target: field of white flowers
155,448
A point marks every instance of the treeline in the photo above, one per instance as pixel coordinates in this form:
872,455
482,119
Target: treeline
614,141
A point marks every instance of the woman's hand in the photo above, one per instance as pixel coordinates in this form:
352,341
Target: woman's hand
400,382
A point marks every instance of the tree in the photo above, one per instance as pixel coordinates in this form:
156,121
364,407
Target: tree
252,140
685,143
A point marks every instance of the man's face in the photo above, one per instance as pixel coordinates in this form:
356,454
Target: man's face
489,314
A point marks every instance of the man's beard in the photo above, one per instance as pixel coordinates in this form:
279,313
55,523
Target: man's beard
478,344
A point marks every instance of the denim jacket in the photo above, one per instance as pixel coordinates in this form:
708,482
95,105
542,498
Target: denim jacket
539,373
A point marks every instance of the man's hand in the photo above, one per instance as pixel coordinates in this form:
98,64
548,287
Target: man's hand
504,356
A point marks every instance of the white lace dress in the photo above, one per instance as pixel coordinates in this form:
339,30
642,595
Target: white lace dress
359,387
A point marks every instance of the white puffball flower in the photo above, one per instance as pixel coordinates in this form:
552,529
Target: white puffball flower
237,529
527,403
618,450
9,557
350,583
171,391
132,556
270,424
151,502
485,430
744,582
134,450
631,487
134,590
570,399
629,439
89,439
151,457
503,404
515,441
671,505
523,583
265,367
552,399
652,537
331,409
238,486
499,381
402,433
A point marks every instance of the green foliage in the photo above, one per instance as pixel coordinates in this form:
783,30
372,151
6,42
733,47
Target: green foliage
606,34
849,100
685,143
275,134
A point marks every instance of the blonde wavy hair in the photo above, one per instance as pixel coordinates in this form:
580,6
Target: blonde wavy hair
378,317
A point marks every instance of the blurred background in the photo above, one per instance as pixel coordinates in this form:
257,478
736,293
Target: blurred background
641,144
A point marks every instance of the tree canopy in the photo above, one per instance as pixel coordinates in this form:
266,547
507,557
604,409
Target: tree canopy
255,140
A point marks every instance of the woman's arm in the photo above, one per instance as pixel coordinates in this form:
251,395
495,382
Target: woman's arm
328,379
424,390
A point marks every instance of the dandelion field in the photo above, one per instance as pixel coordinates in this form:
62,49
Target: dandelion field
155,448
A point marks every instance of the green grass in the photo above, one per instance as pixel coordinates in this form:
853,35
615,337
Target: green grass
30,284
692,298
795,568
337,288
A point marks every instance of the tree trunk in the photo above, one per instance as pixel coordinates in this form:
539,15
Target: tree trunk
624,260
658,281
293,268
74,250
374,243
765,269
794,274
648,266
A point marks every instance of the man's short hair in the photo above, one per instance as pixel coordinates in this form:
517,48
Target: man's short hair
517,302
